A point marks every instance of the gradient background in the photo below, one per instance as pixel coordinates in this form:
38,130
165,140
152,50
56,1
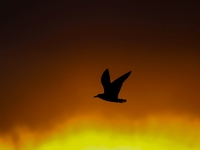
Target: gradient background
52,55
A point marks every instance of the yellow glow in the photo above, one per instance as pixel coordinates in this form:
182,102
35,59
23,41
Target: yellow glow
152,134
6,147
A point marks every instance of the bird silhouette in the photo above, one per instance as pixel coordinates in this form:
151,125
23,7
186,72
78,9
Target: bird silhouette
111,90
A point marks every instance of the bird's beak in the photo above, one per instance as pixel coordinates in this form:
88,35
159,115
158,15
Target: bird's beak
95,96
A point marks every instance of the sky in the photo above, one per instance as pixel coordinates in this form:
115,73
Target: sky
52,56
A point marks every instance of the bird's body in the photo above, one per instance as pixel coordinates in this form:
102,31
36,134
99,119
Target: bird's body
111,90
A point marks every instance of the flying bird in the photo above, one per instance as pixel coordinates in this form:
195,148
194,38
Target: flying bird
111,90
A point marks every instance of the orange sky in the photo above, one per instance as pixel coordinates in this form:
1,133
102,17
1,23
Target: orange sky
48,79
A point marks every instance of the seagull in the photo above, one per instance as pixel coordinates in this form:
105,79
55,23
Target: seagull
111,90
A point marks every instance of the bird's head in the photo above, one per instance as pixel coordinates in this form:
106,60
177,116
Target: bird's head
99,95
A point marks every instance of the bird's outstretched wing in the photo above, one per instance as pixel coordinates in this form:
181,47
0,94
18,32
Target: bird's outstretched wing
105,81
117,84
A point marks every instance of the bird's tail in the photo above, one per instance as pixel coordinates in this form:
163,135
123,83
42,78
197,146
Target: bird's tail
122,101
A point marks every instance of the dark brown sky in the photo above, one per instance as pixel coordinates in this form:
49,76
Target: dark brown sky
52,55
30,19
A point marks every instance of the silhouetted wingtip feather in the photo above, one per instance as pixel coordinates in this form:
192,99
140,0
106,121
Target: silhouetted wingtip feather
105,79
105,76
106,73
129,72
121,79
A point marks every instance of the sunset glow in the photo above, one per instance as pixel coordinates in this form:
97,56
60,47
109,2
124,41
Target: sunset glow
152,133
53,54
